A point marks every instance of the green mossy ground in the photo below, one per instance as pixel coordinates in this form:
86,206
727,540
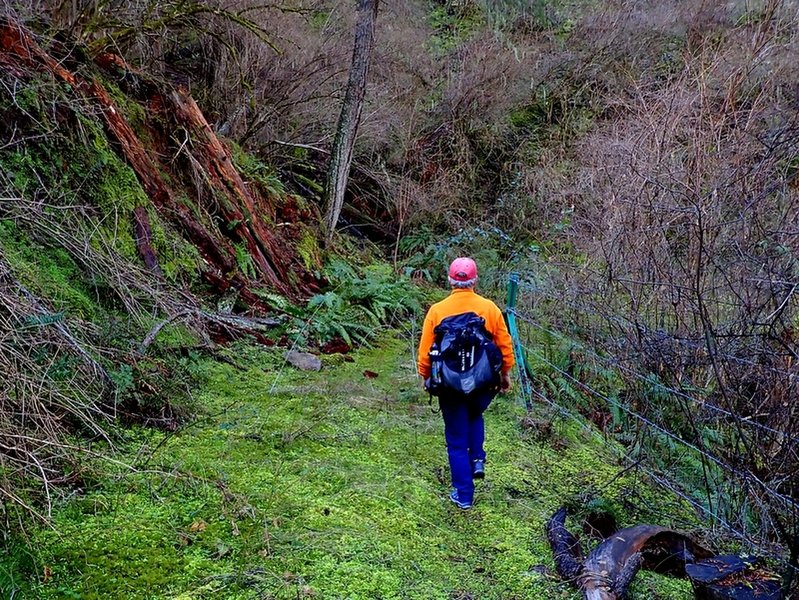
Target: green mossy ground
50,272
326,485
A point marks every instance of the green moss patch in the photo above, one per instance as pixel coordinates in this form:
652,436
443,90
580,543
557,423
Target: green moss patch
49,272
326,485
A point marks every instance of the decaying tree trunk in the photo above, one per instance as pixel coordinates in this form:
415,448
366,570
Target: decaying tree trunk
237,205
608,570
341,154
272,262
610,567
143,235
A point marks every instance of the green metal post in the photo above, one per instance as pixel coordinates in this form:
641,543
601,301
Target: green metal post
513,329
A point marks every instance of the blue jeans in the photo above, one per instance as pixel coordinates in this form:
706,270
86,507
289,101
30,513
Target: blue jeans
464,431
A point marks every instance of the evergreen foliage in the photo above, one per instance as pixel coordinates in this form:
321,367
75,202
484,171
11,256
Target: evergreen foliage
360,302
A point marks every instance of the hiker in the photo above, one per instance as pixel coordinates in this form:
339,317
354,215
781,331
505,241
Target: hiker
462,404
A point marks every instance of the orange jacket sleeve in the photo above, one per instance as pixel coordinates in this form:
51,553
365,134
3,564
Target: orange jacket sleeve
423,358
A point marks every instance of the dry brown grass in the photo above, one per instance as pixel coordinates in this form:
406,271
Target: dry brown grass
682,198
51,386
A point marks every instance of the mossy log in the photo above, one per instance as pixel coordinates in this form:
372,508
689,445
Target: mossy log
239,207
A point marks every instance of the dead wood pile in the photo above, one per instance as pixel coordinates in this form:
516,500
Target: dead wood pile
178,131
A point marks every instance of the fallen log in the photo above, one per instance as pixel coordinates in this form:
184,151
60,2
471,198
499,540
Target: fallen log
610,567
234,325
565,547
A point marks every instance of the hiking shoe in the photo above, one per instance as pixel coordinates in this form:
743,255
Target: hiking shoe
462,505
478,469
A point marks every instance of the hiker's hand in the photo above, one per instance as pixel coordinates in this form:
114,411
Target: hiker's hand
504,382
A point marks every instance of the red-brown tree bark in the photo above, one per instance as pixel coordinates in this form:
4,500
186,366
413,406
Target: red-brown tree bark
143,234
275,262
235,202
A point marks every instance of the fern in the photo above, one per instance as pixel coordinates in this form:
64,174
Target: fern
328,300
358,303
616,413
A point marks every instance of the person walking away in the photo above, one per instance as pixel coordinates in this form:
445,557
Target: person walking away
464,393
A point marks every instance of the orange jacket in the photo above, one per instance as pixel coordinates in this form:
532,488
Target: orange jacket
461,301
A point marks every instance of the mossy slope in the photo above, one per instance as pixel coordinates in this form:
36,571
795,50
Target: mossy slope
329,485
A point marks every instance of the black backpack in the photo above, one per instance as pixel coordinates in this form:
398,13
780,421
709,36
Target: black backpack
463,358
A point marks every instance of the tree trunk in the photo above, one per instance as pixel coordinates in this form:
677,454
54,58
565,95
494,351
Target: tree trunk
731,577
347,128
143,235
611,566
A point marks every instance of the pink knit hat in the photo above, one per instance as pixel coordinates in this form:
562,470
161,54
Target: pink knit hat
463,269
